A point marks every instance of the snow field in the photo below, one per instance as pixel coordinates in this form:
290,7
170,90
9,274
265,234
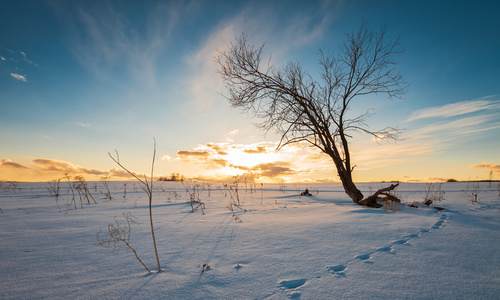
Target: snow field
283,245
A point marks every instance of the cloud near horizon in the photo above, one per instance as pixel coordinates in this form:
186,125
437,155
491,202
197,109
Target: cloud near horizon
259,160
488,166
42,169
10,164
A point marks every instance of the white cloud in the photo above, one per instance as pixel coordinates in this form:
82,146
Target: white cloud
19,77
83,124
169,158
2,58
27,60
229,136
454,109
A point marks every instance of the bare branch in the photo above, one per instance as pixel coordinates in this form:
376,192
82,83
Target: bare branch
298,108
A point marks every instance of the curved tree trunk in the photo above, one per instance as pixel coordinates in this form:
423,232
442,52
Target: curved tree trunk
356,195
349,187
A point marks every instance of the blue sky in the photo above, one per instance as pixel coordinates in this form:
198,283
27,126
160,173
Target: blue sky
79,79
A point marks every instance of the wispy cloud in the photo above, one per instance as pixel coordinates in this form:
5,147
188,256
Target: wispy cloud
229,136
19,77
47,169
64,167
435,138
29,61
454,109
103,38
488,166
84,124
257,22
7,163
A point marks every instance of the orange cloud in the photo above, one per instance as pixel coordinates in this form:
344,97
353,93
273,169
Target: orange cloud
187,154
257,161
218,148
259,149
7,163
123,174
42,169
486,165
64,167
274,169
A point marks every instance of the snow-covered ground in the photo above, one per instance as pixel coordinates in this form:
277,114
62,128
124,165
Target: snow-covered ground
281,246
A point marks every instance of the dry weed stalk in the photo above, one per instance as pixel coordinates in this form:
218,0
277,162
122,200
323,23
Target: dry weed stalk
54,187
233,191
124,191
391,205
12,186
194,196
105,182
68,179
119,236
147,187
473,193
434,193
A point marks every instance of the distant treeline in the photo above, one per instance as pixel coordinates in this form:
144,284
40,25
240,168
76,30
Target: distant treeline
173,177
486,180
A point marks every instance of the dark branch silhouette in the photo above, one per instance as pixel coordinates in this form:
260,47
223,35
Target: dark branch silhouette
300,109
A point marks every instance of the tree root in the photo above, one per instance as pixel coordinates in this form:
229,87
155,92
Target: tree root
381,195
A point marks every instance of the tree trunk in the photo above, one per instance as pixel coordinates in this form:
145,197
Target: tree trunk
349,187
356,195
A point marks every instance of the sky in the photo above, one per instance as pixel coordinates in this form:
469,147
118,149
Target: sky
81,79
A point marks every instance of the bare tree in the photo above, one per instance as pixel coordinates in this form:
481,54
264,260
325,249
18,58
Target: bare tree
299,108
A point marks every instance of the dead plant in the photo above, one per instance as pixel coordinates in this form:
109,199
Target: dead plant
119,236
54,188
434,193
105,183
472,193
147,187
194,191
68,179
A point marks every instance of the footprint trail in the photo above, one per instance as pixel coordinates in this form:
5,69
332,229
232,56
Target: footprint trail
292,287
340,270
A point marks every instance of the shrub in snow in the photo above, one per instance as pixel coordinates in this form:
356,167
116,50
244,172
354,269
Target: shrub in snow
119,236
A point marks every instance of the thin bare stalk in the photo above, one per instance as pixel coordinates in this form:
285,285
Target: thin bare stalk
147,187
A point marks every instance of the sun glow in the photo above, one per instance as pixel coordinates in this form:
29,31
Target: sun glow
237,157
257,161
